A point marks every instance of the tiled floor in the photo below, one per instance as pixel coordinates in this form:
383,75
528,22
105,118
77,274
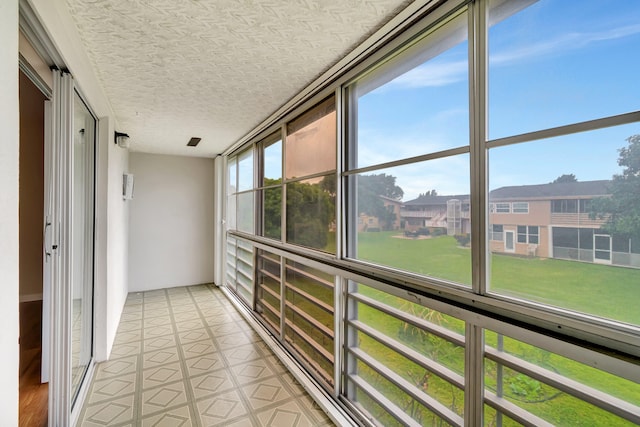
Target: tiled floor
185,357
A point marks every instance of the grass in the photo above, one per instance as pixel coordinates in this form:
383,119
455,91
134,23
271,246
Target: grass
599,290
595,289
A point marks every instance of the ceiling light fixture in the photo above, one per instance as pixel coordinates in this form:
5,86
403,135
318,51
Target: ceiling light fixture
122,139
193,142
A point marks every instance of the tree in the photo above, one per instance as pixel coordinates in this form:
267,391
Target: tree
310,211
622,208
565,178
370,188
431,192
272,208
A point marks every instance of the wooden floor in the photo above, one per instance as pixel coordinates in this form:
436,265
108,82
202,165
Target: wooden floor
33,395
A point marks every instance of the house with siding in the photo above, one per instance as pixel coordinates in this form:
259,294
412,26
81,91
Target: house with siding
427,211
541,220
553,221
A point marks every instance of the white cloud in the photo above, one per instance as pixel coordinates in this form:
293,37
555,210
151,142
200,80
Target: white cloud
561,44
433,75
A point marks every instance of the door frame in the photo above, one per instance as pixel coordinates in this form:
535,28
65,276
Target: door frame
506,240
596,260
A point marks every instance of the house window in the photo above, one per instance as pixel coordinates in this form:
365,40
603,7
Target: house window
503,207
497,232
520,207
585,205
528,234
565,206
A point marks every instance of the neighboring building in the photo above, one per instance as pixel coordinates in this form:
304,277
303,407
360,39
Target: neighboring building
368,222
543,220
450,212
552,221
523,218
394,206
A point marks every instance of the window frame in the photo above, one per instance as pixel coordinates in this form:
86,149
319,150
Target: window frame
611,335
522,209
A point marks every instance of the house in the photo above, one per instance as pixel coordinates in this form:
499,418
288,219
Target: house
431,211
554,221
215,109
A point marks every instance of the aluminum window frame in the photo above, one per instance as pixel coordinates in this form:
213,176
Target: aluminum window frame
599,336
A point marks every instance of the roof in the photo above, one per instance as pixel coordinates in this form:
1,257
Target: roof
523,192
542,191
435,200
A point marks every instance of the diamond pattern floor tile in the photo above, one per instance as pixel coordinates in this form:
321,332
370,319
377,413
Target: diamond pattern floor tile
184,357
179,417
221,409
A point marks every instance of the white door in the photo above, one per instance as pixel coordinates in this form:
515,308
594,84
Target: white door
509,245
602,248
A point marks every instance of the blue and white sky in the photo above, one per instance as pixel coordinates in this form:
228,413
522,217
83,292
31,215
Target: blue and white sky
554,63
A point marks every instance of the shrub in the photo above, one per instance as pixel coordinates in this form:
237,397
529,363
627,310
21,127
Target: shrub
463,239
438,231
422,232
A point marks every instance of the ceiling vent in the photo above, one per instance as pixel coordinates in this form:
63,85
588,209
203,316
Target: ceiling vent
193,142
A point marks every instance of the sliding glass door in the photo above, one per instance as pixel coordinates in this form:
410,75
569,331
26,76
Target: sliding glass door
69,246
84,126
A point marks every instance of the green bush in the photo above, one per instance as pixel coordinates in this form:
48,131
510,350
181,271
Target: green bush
463,239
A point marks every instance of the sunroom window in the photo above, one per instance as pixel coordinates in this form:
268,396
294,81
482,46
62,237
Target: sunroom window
551,67
409,144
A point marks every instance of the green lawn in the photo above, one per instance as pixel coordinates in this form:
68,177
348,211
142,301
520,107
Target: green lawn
596,289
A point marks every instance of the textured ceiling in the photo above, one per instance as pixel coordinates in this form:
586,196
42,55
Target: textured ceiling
173,69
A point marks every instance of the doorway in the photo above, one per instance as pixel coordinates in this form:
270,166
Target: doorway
602,248
34,394
509,241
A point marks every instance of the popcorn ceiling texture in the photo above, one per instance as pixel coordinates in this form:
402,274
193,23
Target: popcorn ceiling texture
214,68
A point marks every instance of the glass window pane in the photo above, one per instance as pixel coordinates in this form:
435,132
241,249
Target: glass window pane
244,271
552,63
310,146
82,247
246,212
273,162
231,212
311,213
232,169
268,289
418,103
404,345
419,224
557,234
245,170
309,317
541,399
272,212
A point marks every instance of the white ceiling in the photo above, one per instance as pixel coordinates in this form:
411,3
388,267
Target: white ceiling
214,69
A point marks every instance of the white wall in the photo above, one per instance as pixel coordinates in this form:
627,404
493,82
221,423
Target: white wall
9,149
171,228
117,240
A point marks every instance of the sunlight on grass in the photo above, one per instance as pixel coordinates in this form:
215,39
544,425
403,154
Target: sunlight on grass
599,290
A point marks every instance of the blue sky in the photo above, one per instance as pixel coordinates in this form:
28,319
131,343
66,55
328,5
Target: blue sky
544,72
